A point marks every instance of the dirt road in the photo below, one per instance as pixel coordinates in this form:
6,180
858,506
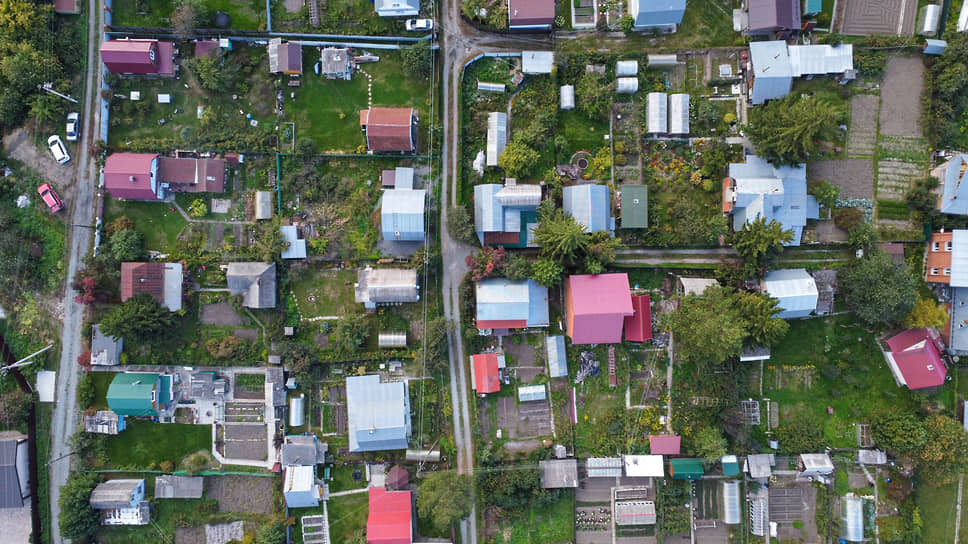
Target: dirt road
19,145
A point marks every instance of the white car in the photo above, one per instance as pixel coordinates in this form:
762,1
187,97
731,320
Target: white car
58,149
416,25
72,127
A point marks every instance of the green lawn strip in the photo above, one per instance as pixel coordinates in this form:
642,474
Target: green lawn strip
581,132
324,292
154,220
937,507
342,478
102,380
250,382
144,443
543,525
244,14
347,516
893,209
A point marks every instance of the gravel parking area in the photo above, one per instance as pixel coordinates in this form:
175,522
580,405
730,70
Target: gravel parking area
19,144
901,97
241,493
855,177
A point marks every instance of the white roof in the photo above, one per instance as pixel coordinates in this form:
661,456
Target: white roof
657,113
795,289
820,59
627,85
871,457
296,248
173,286
963,18
816,461
626,68
695,286
403,177
959,258
567,97
45,385
497,136
679,114
759,465
644,466
731,503
299,478
537,62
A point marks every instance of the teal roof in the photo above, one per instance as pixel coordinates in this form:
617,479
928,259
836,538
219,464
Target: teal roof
812,7
130,394
635,207
730,466
685,469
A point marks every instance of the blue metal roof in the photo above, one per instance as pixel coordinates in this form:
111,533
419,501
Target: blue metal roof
935,47
557,362
590,205
378,414
402,214
775,194
503,299
795,289
954,196
658,12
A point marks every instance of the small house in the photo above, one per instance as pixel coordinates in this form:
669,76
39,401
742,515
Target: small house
105,349
163,281
794,288
390,129
139,57
756,189
121,502
103,422
497,136
383,286
302,451
506,215
759,466
397,8
390,518
664,444
915,359
537,62
591,206
139,394
531,14
170,486
284,57
506,304
486,377
378,414
295,247
657,15
685,469
255,282
596,307
814,465
335,63
634,200
953,193
644,466
14,469
638,326
402,214
299,486
934,47
559,473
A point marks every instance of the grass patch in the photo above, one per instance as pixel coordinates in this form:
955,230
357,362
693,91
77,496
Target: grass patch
324,292
546,525
937,506
102,380
892,209
143,443
645,278
581,132
347,516
253,383
154,220
342,478
245,14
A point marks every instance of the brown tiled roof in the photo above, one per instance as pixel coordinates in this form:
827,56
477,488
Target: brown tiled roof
531,12
143,278
128,175
193,175
388,129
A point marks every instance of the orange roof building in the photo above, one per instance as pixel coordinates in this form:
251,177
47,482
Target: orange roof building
937,266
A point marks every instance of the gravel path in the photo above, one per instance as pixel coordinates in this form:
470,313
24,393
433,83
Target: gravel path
862,138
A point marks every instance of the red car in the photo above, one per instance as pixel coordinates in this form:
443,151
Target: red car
53,201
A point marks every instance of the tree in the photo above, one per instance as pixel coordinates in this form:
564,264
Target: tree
708,443
547,272
876,289
825,192
445,498
14,408
350,333
707,113
863,236
418,59
800,434
626,23
197,208
848,218
596,95
127,246
460,226
758,241
944,455
562,239
517,268
897,431
215,72
78,521
273,532
926,313
433,352
86,393
140,319
788,130
709,327
763,327
518,159
488,262
306,147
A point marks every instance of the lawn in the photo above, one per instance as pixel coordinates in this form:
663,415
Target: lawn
144,443
347,516
324,292
937,506
245,14
547,525
342,478
154,220
102,380
581,132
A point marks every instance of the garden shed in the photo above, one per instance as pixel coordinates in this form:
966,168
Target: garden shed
567,97
685,469
635,206
644,466
263,205
657,114
795,289
402,214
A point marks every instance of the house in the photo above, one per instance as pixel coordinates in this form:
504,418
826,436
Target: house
139,394
390,519
667,444
773,16
559,473
557,358
378,414
506,304
256,282
284,57
390,129
486,377
638,326
299,486
402,214
139,57
537,62
397,8
105,350
169,486
644,466
303,451
657,15
596,307
335,63
103,422
506,215
381,286
497,136
591,206
656,114
757,189
685,469
914,357
149,176
953,193
14,470
796,290
775,65
295,246
163,281
531,14
121,502
814,465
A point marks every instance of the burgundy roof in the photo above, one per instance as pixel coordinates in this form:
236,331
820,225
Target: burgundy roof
143,278
204,47
193,175
388,129
389,520
531,12
135,56
664,444
918,357
500,238
638,327
398,478
66,6
774,15
389,178
128,175
486,377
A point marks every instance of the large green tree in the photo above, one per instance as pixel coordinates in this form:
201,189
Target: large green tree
944,455
709,444
127,246
758,242
215,72
595,95
460,225
78,521
350,333
788,130
708,328
518,159
418,58
877,289
898,431
763,327
562,239
140,319
445,498
547,272
433,349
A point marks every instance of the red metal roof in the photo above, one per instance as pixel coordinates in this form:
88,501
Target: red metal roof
67,7
131,56
388,129
128,175
143,278
485,373
918,357
597,306
389,520
638,327
531,12
664,444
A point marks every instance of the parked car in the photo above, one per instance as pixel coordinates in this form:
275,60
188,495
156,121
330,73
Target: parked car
72,126
58,149
416,25
50,198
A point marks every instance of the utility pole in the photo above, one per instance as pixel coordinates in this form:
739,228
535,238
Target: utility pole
48,87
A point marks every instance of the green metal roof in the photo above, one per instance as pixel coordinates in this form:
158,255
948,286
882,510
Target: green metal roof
730,468
130,394
686,469
635,207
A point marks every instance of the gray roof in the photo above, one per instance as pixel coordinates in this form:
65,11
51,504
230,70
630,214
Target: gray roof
760,465
537,62
105,350
256,282
772,70
263,205
334,60
378,414
386,286
402,214
954,193
657,13
169,486
795,289
11,492
871,457
559,473
303,450
114,494
275,377
590,205
295,246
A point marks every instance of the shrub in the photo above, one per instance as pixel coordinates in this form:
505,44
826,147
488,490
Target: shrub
848,218
621,160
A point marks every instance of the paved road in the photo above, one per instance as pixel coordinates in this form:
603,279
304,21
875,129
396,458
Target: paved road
82,213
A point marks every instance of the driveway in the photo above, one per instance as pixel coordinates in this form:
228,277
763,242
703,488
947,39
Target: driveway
20,145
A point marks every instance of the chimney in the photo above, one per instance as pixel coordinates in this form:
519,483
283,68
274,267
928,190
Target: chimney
131,179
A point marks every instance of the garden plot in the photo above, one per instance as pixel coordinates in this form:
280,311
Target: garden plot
854,177
863,17
220,313
252,494
244,441
244,14
322,292
862,137
524,419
